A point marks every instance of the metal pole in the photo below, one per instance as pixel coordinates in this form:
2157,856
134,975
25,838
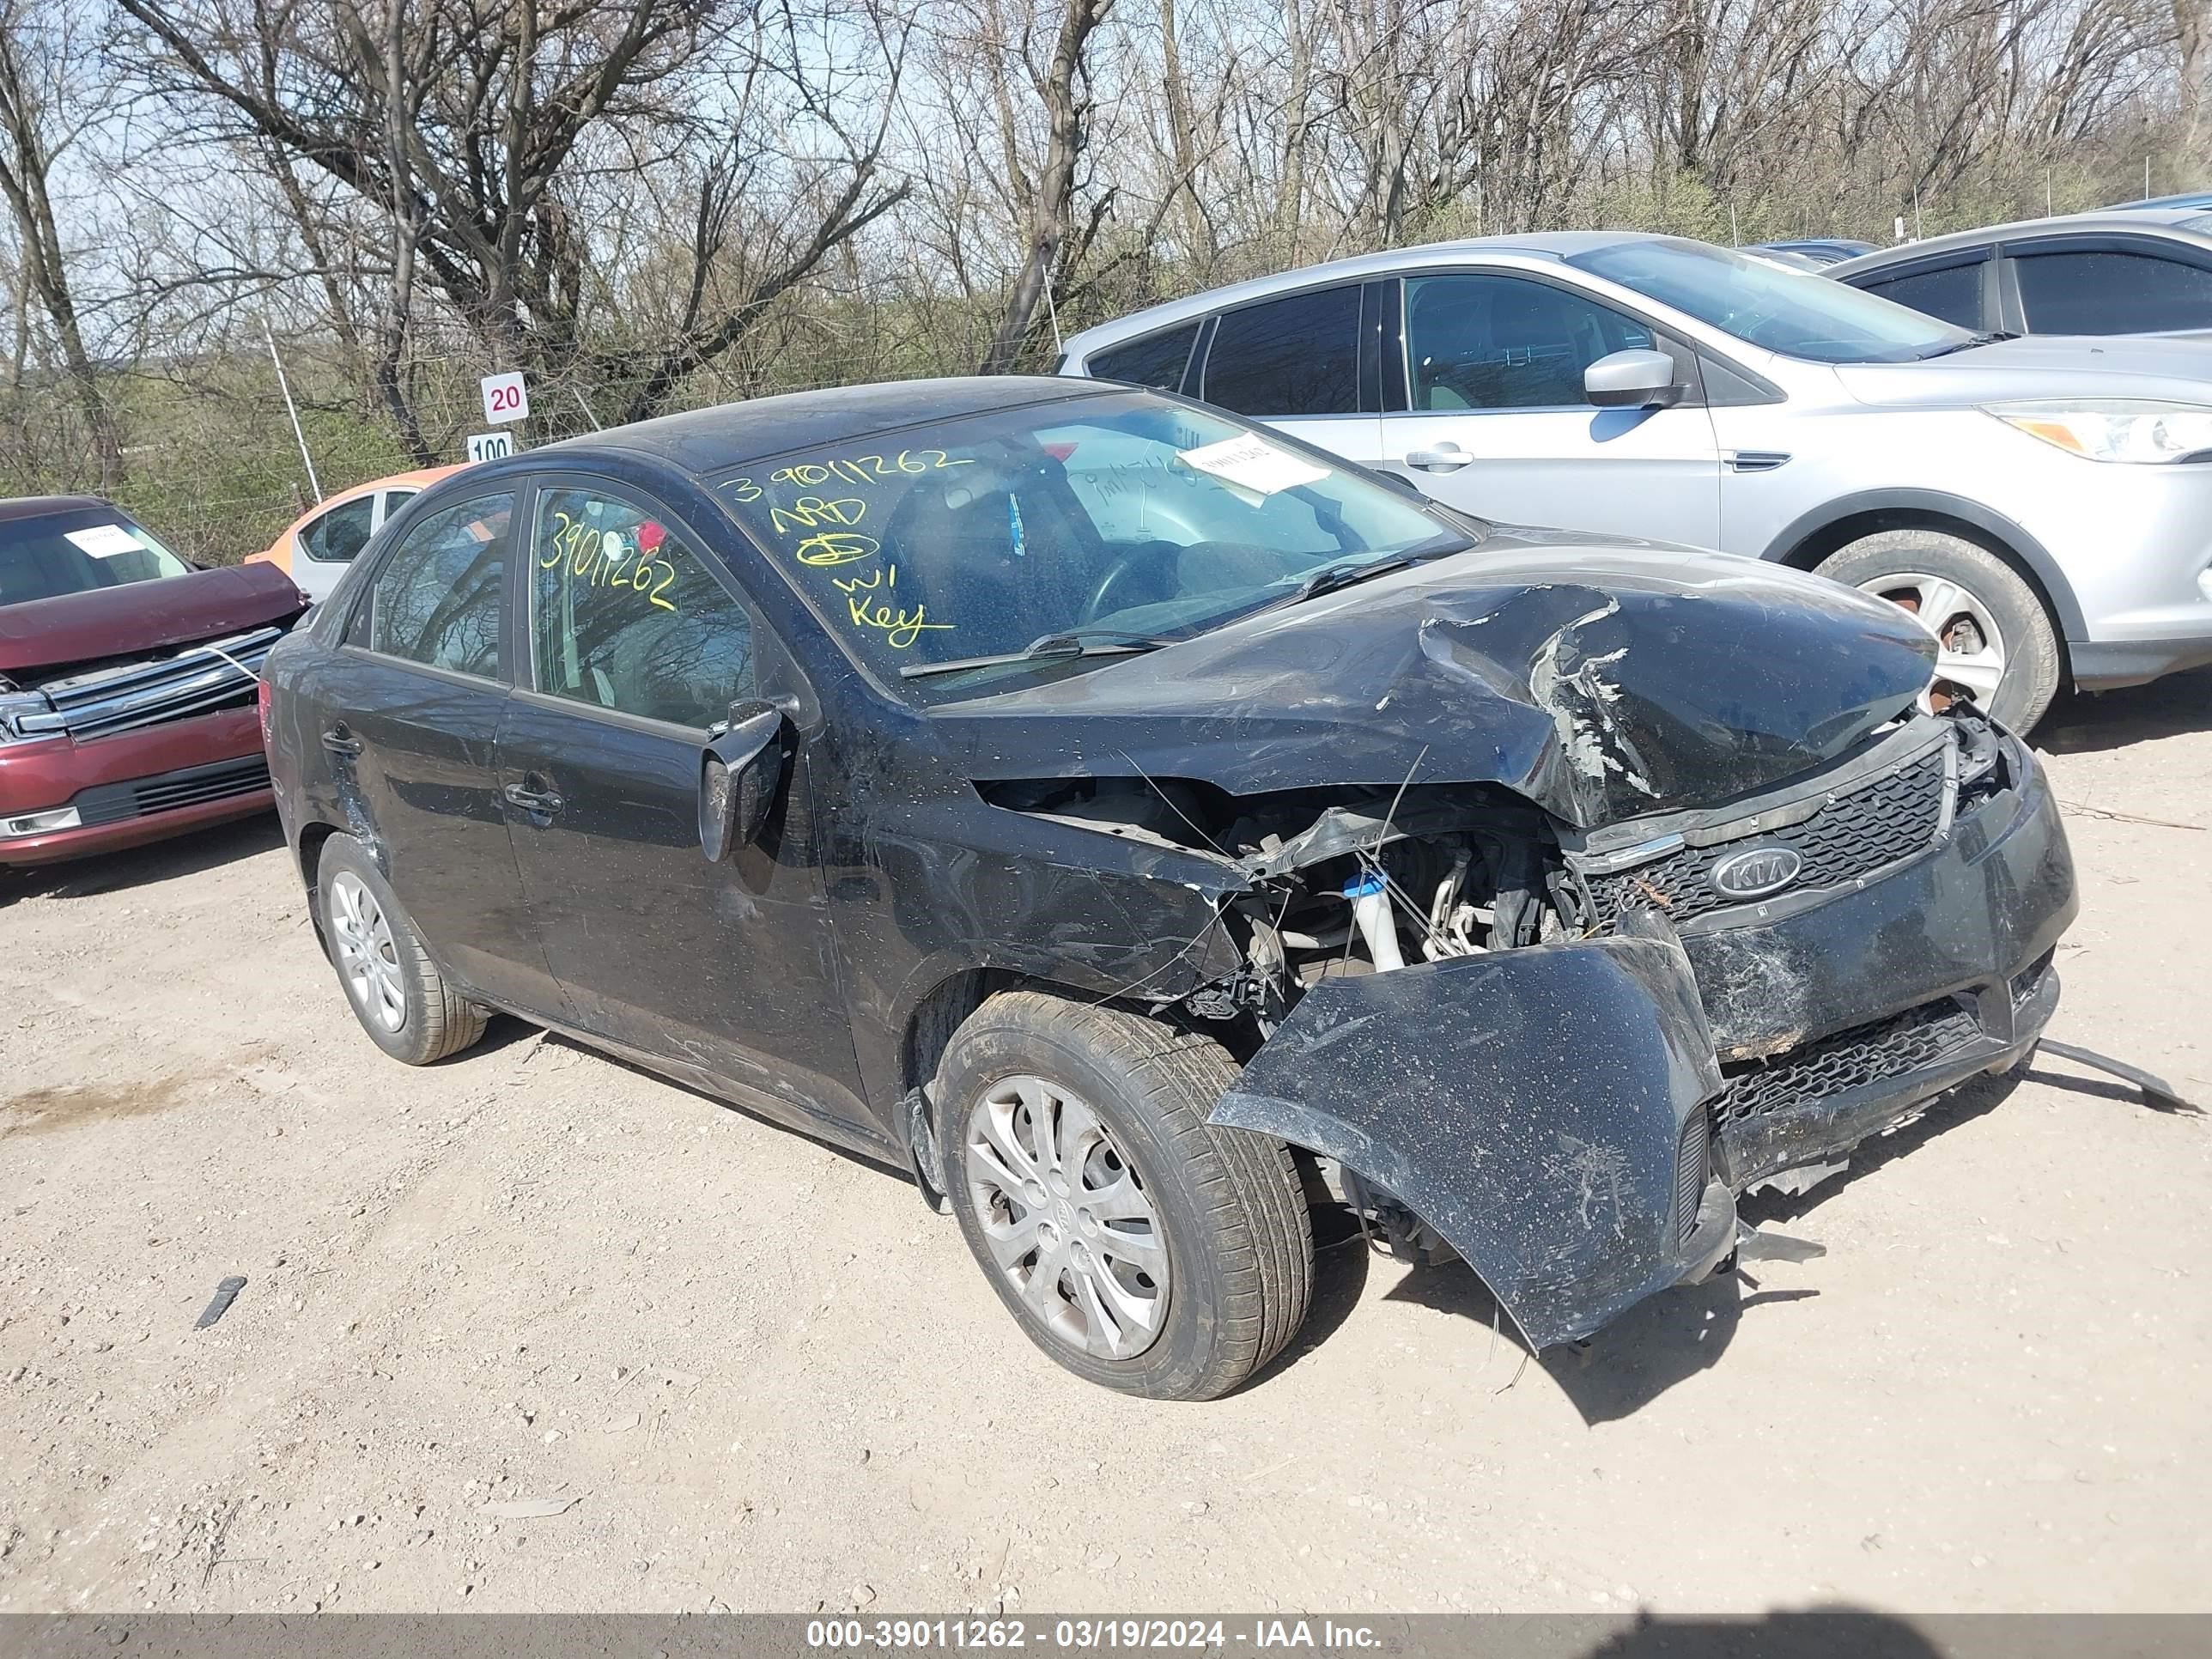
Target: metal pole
285,386
577,393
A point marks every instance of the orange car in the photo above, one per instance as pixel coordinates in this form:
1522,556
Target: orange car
318,546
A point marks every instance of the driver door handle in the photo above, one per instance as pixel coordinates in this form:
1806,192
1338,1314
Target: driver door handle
538,803
1445,457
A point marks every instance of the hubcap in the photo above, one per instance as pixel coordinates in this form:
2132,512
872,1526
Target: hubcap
368,960
1067,1218
1970,647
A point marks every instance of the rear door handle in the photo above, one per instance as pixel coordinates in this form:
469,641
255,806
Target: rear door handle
340,740
1444,458
538,803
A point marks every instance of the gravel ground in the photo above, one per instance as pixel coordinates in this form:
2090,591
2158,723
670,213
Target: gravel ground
752,1374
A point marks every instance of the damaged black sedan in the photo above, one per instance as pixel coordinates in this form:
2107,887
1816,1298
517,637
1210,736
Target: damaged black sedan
1139,828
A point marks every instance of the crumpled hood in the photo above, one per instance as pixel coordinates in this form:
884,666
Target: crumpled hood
149,615
1600,679
2167,367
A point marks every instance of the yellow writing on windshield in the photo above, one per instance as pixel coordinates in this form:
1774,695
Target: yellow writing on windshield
817,529
869,604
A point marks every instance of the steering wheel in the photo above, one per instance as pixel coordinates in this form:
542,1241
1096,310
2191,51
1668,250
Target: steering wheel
1124,567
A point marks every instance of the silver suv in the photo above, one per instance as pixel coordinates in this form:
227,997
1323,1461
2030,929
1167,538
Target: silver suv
2042,505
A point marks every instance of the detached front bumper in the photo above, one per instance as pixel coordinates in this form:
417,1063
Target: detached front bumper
1559,1115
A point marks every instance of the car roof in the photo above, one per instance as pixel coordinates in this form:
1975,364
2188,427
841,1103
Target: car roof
1543,244
2188,198
704,440
421,478
37,507
2179,222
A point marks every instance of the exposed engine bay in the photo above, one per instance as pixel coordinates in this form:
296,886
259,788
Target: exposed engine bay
1368,880
1671,972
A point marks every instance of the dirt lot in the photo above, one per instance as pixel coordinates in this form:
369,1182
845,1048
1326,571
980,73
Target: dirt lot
767,1379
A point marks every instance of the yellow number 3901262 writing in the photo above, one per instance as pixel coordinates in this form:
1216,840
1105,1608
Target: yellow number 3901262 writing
604,558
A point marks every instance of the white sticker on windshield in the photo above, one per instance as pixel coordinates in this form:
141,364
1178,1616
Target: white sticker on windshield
105,541
1252,463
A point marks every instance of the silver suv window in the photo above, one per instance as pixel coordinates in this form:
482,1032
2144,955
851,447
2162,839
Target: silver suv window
1296,356
1491,342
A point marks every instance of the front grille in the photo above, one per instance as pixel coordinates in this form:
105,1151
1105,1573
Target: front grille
1890,819
1873,1053
1689,1175
197,680
192,785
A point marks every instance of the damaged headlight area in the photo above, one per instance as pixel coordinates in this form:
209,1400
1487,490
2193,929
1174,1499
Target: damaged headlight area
1561,1053
1335,883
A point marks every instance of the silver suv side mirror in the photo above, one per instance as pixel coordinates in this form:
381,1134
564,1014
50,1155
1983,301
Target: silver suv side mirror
1632,379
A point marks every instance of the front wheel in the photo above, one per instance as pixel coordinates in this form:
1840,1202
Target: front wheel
1137,1245
1993,637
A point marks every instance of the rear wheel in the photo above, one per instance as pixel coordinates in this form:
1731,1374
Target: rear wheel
1994,640
1137,1245
397,993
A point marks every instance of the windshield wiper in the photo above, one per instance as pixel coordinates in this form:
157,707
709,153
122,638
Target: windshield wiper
1346,572
1990,338
1074,642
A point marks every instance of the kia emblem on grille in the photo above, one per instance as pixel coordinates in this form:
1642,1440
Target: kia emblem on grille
1756,871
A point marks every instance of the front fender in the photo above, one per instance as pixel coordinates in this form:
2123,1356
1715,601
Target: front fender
1542,1110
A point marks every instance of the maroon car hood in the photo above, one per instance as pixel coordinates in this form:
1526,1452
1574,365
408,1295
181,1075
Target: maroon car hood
150,616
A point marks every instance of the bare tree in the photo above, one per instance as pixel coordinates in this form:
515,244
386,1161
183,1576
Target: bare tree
490,139
41,77
1064,90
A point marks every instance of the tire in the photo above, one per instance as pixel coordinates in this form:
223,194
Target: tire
430,1019
1224,1208
2026,640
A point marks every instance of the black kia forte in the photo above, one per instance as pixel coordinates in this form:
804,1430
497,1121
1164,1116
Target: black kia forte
1138,828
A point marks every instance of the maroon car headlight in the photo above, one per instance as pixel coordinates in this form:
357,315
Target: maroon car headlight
17,710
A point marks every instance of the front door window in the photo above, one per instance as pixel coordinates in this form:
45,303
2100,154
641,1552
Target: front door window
1491,342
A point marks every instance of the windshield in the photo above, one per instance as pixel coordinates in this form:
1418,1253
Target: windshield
1797,313
1121,516
76,550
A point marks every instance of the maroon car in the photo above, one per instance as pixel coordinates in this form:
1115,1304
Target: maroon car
127,681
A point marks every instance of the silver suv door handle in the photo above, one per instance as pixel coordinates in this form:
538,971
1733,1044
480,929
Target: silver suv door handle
1444,458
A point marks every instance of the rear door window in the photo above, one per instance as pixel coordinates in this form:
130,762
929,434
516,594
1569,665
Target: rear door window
1157,361
1953,293
1296,356
339,535
2109,292
625,615
440,599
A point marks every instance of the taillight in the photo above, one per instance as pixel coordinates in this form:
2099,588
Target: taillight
261,698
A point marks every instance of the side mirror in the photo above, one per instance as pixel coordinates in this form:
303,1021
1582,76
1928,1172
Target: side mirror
1632,379
740,770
